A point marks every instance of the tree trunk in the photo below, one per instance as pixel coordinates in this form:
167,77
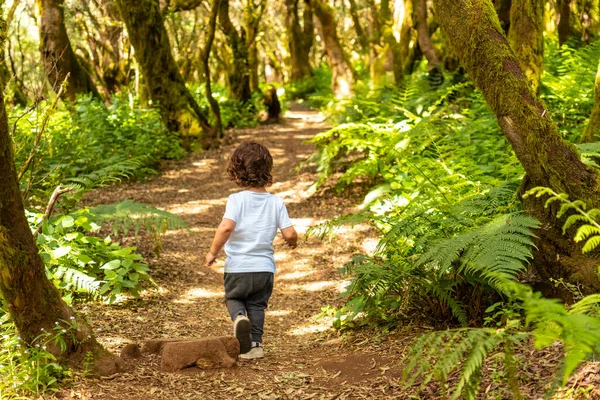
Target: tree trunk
564,23
387,33
592,130
252,17
342,72
239,73
503,10
33,303
205,54
300,38
163,82
474,31
58,55
363,38
526,37
409,48
434,66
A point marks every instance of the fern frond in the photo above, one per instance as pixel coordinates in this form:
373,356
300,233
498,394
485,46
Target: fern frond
110,174
128,215
77,280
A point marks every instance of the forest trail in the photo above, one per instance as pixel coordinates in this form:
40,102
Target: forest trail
305,358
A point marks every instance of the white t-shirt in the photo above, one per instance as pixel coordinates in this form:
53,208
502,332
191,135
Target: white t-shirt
257,217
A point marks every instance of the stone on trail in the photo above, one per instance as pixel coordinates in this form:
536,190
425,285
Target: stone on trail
218,352
132,350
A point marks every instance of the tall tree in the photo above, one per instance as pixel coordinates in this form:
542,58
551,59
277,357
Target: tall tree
475,33
526,37
434,65
162,79
565,30
592,130
57,54
252,16
238,75
342,72
361,34
32,300
301,37
205,55
6,78
410,51
387,32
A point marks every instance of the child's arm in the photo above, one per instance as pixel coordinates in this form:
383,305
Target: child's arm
290,236
221,236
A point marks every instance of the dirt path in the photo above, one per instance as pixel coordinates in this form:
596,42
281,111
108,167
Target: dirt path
304,357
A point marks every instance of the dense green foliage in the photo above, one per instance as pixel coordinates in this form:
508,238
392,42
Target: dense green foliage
454,240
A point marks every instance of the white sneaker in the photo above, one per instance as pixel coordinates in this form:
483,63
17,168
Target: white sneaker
242,330
253,354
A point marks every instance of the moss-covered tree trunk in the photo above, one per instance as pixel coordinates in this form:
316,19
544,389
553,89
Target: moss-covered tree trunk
163,82
564,22
387,32
342,72
526,37
205,56
32,301
474,31
57,54
592,130
239,74
301,38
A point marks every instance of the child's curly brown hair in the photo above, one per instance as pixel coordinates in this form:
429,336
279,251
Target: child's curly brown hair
250,165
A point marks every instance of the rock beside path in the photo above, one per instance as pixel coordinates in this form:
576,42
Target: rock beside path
206,353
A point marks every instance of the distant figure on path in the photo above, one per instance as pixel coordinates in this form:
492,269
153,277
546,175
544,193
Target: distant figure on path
252,217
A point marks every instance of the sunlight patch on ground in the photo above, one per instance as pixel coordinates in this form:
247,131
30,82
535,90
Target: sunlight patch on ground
295,275
323,325
315,286
162,189
277,313
198,293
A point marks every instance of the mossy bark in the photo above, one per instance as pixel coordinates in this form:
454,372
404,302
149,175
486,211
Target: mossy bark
57,54
32,301
300,38
592,130
238,75
526,37
474,30
162,80
342,72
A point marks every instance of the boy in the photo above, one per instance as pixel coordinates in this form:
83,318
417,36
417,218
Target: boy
252,217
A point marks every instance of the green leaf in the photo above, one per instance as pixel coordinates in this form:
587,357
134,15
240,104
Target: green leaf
114,264
60,251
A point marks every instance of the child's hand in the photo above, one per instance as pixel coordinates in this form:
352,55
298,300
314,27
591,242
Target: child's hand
210,259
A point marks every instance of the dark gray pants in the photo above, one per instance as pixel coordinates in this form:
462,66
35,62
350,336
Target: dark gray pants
248,294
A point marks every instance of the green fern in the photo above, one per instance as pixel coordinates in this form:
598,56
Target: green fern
72,279
108,175
129,215
496,250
